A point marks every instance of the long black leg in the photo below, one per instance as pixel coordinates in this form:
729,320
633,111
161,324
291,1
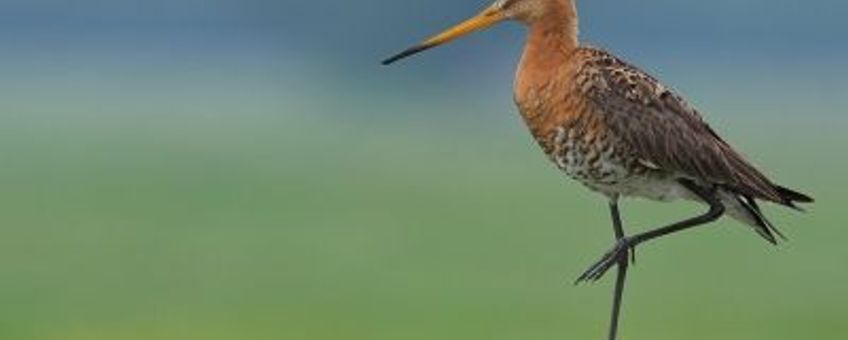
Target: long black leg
615,215
716,210
622,272
625,246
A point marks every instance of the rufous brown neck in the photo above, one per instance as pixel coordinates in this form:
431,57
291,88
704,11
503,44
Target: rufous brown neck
551,36
551,39
545,64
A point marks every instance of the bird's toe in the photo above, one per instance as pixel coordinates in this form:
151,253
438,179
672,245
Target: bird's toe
620,254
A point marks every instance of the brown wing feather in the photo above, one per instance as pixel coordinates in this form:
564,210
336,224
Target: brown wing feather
663,129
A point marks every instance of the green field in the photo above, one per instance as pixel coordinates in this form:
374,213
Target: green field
254,216
245,169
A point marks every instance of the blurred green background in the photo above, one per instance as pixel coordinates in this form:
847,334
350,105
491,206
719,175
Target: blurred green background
235,169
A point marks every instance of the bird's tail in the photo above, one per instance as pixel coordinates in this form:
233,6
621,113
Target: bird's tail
746,209
758,220
791,196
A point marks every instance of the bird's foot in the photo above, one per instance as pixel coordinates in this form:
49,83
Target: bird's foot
624,251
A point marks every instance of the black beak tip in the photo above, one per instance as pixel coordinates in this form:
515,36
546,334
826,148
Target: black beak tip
407,53
388,61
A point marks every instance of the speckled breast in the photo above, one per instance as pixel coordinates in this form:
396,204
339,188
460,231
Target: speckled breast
577,140
590,157
603,164
587,152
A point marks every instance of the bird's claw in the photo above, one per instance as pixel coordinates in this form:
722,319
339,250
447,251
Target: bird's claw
623,251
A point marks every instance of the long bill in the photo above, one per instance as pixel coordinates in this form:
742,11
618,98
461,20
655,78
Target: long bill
482,21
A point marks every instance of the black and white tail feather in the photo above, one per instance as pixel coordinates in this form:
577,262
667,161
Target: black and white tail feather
758,220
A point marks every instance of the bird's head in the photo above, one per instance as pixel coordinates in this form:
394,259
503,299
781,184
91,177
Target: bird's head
525,11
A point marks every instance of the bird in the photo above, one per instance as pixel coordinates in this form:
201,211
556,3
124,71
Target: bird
621,133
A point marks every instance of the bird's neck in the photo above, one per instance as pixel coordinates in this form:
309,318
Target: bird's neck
551,41
545,67
551,36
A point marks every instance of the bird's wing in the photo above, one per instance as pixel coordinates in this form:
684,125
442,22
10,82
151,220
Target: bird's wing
664,130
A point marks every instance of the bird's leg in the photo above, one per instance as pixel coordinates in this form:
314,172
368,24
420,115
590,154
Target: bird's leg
622,272
625,246
618,255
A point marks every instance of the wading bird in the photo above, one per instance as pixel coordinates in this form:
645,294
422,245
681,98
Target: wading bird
621,133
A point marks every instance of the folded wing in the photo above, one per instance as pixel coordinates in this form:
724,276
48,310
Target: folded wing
667,132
